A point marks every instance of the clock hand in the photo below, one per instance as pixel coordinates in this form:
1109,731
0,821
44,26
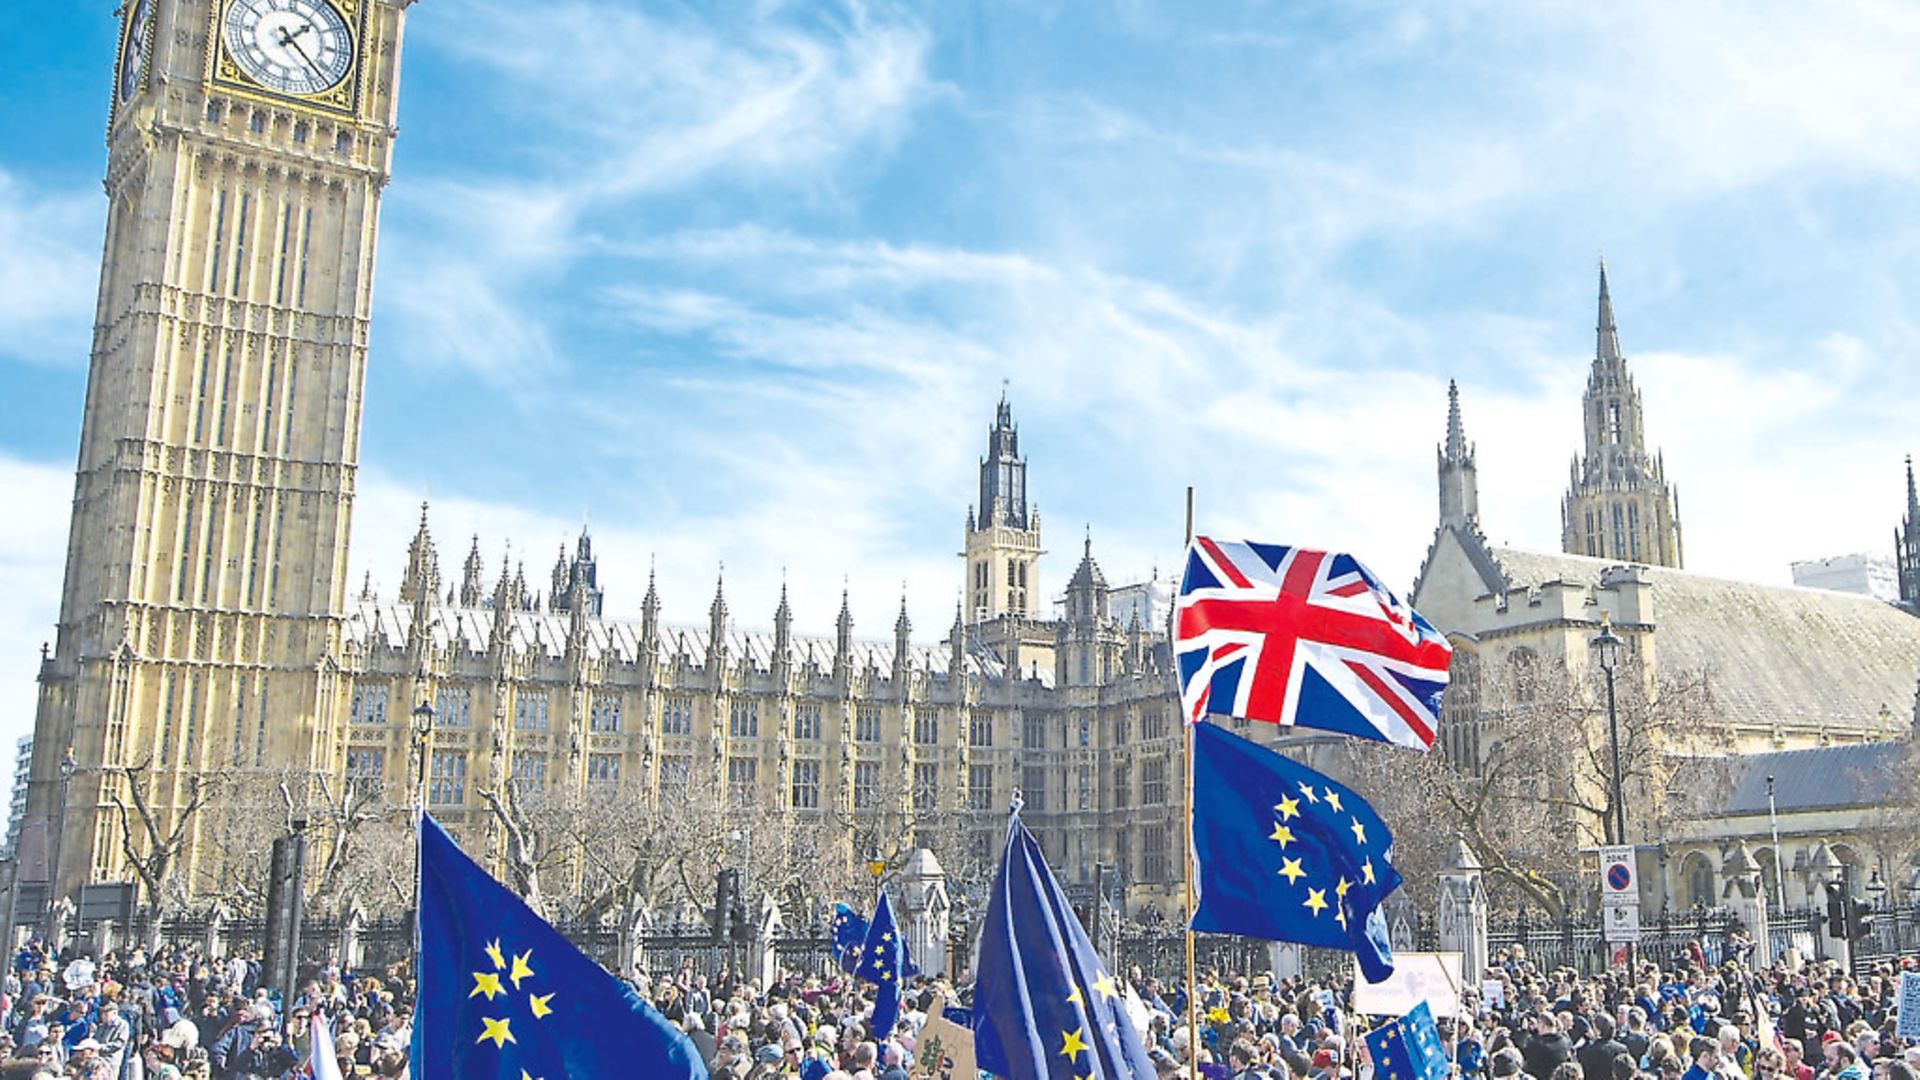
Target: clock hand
287,39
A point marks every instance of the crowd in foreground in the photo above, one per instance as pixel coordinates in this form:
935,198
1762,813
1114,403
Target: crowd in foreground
173,1013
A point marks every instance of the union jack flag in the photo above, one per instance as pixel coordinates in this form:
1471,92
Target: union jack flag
1289,635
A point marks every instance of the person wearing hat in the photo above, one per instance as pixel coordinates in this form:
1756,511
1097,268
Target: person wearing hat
389,1057
85,1064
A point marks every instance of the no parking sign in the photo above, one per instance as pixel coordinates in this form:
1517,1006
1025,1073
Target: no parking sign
1618,884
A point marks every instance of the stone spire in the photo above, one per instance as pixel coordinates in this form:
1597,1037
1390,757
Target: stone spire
717,624
957,645
422,579
782,634
472,589
1459,479
1906,548
650,610
902,639
1607,333
843,640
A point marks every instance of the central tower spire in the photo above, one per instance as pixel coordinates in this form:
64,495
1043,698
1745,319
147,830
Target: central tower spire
1618,504
1003,537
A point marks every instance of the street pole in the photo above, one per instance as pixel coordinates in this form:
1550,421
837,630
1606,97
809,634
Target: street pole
1773,824
1613,735
67,768
423,747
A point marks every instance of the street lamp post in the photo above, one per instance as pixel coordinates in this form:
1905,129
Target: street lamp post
1606,645
1773,823
422,747
68,766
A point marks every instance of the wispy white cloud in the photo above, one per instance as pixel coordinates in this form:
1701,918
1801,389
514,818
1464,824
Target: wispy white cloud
33,537
49,271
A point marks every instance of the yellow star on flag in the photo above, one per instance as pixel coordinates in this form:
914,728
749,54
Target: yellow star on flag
1307,790
1359,832
1290,869
1075,998
1340,888
1366,871
1316,900
524,1076
488,983
537,1004
1072,1046
520,968
493,954
1289,808
1333,800
498,1031
1282,834
1104,985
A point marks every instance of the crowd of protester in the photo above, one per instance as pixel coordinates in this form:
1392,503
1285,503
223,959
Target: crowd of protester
174,1013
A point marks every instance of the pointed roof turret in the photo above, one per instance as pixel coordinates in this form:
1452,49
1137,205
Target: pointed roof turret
903,625
1087,575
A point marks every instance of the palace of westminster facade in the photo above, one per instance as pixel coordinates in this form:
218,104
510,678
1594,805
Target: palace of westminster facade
206,622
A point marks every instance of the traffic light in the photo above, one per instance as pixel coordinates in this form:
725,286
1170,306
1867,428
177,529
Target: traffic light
1837,910
1861,923
726,902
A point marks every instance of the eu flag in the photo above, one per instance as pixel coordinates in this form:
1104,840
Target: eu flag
849,933
503,995
1408,1048
1283,853
1042,1004
884,962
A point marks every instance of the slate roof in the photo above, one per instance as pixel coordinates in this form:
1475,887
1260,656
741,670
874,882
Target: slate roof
373,623
1821,778
1776,654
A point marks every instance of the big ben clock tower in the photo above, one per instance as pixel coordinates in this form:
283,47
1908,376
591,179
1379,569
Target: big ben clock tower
248,145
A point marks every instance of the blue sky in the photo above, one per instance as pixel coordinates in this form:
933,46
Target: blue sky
741,281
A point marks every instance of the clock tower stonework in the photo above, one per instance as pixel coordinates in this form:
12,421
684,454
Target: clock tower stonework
248,145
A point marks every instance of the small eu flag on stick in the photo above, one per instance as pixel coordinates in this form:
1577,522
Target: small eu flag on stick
885,963
1283,853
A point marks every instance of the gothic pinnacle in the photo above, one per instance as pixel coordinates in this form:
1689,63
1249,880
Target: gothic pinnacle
1456,430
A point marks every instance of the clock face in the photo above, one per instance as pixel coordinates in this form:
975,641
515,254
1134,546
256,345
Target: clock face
133,56
291,46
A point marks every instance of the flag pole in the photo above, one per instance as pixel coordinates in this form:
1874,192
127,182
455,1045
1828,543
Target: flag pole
1186,850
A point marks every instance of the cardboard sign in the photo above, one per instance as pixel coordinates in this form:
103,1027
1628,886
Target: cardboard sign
1430,977
1908,1026
945,1049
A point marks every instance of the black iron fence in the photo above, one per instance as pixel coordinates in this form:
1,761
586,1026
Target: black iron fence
377,943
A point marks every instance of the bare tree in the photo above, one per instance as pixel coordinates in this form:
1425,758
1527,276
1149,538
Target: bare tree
152,836
1533,783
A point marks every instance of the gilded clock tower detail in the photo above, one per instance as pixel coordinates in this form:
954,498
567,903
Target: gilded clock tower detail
248,145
